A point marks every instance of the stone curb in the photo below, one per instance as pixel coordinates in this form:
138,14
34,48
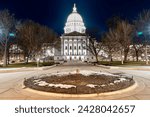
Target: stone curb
46,68
127,68
81,95
103,66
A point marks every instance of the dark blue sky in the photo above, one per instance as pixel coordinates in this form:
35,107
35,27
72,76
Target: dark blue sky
53,13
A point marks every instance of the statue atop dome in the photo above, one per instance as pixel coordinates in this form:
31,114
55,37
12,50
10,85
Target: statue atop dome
74,8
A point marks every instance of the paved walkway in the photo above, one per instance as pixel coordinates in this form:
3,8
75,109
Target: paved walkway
11,84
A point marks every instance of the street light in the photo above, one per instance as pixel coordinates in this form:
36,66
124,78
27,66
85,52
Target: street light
139,33
11,34
38,60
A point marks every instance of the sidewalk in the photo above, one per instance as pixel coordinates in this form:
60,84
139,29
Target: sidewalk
147,68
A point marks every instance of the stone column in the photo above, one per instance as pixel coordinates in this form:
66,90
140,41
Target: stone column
68,47
72,46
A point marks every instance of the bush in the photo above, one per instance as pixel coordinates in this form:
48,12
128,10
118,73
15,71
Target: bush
47,63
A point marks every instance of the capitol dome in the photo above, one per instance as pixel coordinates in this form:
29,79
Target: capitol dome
74,22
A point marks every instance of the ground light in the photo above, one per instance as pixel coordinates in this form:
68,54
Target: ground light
38,60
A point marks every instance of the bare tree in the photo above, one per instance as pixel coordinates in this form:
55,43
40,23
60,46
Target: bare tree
32,36
112,22
7,24
124,33
110,43
142,28
27,38
94,47
138,46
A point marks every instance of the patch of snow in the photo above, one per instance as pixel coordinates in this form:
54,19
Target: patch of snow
62,86
83,72
103,85
9,68
120,80
43,83
88,72
91,85
111,83
36,80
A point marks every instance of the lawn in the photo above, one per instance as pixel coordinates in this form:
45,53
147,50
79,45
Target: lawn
118,63
31,64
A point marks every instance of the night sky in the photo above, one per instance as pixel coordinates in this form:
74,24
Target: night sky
53,13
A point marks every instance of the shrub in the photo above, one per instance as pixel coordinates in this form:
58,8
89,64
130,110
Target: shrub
47,63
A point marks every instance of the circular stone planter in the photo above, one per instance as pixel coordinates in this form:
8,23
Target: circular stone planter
79,82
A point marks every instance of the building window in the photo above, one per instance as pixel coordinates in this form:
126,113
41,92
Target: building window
75,47
66,47
70,47
79,47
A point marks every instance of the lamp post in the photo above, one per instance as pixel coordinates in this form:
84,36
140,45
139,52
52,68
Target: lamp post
38,60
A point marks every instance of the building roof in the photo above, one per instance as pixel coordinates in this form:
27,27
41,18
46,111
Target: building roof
75,33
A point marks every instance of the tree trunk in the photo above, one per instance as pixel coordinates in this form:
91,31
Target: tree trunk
121,58
8,56
146,57
5,55
111,59
96,58
126,54
137,55
27,60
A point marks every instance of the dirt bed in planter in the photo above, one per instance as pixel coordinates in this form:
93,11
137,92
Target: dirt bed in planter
79,84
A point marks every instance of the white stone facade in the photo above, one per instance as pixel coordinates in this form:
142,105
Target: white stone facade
74,48
74,39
